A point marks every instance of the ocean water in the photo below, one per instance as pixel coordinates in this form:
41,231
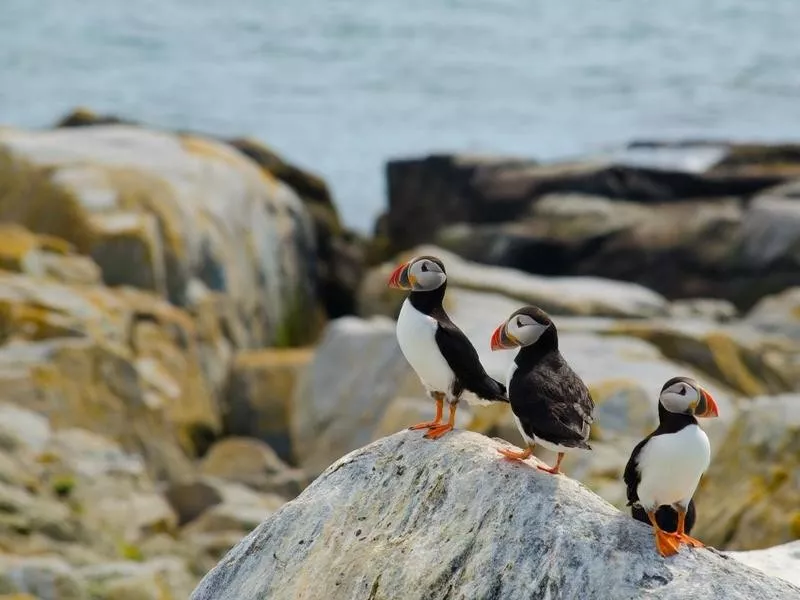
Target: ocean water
340,86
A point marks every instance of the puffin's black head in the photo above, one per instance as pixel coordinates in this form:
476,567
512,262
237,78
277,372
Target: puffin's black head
523,328
420,274
683,395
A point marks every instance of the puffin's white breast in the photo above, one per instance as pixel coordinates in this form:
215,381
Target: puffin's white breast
416,334
670,466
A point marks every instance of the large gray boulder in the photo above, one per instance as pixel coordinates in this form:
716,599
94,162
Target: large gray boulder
410,518
181,215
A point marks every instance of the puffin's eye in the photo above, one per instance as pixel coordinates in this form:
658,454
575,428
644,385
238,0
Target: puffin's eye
424,267
682,391
519,322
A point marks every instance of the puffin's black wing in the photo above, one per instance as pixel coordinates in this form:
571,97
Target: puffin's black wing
553,403
631,475
463,359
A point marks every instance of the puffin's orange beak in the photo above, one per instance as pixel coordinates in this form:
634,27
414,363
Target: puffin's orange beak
501,340
707,407
400,278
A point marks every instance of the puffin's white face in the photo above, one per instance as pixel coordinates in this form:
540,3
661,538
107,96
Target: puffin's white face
425,275
418,275
685,396
525,329
520,330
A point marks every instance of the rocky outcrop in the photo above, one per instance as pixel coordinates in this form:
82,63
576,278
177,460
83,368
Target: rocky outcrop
409,518
751,493
357,370
339,252
122,362
780,561
183,216
253,463
259,392
723,227
79,515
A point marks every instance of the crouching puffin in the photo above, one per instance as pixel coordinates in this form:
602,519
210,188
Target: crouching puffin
665,467
442,356
551,404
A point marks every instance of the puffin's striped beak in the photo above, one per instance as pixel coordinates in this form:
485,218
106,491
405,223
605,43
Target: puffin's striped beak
501,340
400,278
707,407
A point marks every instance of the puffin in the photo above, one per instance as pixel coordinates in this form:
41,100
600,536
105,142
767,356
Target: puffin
551,404
665,468
442,356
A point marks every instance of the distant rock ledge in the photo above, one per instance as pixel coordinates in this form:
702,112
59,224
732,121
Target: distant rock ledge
408,518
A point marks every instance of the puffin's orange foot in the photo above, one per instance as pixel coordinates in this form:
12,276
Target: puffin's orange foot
436,432
666,543
425,425
554,470
690,541
521,455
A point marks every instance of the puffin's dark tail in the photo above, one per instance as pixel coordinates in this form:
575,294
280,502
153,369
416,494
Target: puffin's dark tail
486,391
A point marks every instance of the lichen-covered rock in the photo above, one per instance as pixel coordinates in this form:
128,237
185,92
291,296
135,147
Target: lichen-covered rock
778,314
357,370
259,395
118,361
23,251
156,579
751,492
251,462
745,359
411,518
46,578
192,499
158,211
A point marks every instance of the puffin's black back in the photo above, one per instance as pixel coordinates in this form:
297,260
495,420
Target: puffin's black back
667,517
457,350
550,400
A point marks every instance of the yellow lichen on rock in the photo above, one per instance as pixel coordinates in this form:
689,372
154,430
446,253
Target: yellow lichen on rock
740,362
161,211
122,362
259,394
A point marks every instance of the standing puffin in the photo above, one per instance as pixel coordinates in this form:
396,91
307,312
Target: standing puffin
665,467
551,404
442,356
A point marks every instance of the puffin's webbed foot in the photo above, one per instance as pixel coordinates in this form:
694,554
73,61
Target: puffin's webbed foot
681,536
425,425
438,431
437,421
516,455
666,543
688,540
555,470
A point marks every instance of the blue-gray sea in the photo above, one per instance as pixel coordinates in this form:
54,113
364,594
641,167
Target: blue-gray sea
340,85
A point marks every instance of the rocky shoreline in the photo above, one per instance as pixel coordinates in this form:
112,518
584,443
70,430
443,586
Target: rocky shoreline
189,335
